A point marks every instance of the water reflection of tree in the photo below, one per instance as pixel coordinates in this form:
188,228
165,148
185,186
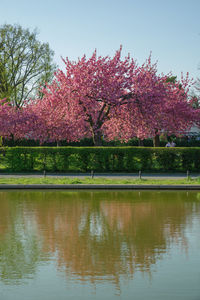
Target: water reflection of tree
20,249
98,235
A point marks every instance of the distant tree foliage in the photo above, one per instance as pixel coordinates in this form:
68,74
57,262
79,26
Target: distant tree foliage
171,79
25,64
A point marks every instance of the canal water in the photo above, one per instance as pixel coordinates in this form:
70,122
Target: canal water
99,245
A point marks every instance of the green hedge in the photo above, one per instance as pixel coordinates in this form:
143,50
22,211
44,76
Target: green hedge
99,159
88,142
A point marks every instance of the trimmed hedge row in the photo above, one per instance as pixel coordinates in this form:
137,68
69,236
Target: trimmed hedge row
101,159
88,142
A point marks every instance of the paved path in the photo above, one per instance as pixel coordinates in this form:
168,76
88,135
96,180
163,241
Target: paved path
100,175
102,186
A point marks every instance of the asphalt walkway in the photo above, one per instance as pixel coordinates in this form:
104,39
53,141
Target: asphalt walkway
103,175
102,186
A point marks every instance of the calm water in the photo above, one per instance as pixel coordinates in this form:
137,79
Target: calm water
99,245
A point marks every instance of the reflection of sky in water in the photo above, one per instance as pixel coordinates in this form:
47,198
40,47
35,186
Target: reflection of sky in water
59,247
96,226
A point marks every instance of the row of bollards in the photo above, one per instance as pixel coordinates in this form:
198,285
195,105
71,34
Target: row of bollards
188,175
140,174
92,173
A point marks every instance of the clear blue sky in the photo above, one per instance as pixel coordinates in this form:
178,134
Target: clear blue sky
170,29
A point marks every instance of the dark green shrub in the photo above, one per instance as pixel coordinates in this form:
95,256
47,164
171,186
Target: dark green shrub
168,158
100,159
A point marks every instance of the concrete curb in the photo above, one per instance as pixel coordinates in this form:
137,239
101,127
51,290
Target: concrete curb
99,186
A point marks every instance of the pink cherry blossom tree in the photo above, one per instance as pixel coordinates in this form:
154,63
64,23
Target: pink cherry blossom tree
106,96
81,100
14,123
8,119
54,118
156,106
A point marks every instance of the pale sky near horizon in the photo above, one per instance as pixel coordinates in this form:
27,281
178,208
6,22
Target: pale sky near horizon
170,29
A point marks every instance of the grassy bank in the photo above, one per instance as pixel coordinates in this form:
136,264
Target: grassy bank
48,180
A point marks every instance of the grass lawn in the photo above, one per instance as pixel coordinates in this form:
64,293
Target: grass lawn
88,180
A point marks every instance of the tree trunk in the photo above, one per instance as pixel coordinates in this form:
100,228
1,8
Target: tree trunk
140,143
156,140
1,141
97,138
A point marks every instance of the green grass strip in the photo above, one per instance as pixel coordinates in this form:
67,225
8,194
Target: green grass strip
88,180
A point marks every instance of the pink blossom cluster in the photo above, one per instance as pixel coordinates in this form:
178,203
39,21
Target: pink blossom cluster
103,96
